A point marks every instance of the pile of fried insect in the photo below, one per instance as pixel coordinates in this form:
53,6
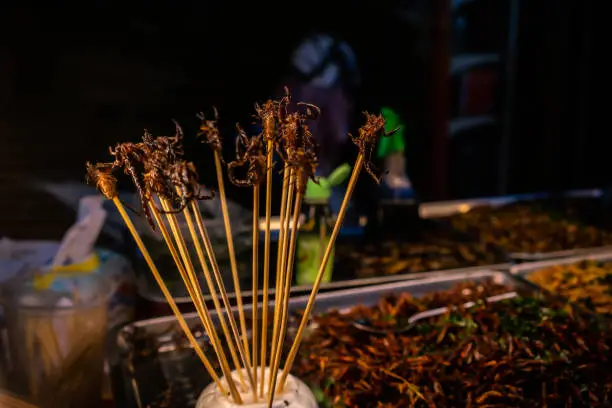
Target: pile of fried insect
168,188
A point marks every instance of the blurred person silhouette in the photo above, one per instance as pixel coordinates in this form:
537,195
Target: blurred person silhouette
323,71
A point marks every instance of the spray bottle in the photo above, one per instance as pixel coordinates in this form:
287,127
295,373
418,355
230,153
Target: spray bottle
314,233
391,150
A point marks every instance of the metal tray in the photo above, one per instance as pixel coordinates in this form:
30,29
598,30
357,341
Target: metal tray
526,269
346,278
556,256
431,210
438,209
184,368
304,290
447,208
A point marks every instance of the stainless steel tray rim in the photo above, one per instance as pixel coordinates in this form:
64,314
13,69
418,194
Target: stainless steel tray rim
302,301
340,285
542,256
525,268
437,209
394,286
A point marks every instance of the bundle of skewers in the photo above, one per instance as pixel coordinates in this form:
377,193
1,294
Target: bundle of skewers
168,188
8,400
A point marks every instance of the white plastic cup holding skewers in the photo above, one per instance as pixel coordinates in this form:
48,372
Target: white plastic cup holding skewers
295,394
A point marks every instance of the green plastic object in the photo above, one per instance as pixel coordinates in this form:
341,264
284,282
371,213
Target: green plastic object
319,193
309,255
314,233
395,142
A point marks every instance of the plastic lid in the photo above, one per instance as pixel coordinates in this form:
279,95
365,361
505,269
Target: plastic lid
320,193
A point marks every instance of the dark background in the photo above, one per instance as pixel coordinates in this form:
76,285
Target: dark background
75,78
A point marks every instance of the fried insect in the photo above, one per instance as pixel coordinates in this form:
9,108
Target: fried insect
283,104
101,175
268,114
183,177
306,162
161,152
294,132
534,227
297,145
311,111
171,146
209,130
367,138
128,156
167,174
530,351
156,166
250,152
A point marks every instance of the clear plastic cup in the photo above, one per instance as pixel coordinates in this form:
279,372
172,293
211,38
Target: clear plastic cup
56,343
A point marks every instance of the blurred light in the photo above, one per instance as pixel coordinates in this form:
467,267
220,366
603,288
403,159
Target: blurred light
463,208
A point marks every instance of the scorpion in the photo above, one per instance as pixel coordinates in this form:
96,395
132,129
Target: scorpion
367,138
250,152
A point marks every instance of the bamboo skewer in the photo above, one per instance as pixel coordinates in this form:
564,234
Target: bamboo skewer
196,290
136,391
322,235
286,176
164,170
10,401
317,284
188,275
31,347
211,288
183,273
172,303
284,311
280,282
280,246
266,277
232,254
217,274
281,236
255,285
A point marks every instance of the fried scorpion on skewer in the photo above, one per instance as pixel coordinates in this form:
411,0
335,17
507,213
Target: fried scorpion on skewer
101,175
367,138
295,132
271,115
292,126
289,135
161,153
209,131
128,156
182,175
297,146
268,114
164,172
172,146
250,152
